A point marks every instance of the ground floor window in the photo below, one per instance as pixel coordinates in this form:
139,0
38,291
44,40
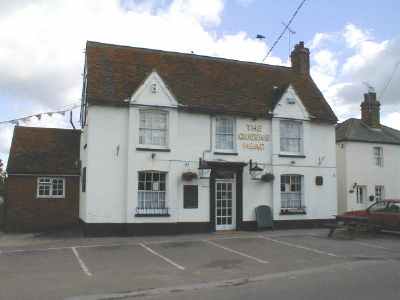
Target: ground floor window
361,194
151,193
379,192
51,187
292,192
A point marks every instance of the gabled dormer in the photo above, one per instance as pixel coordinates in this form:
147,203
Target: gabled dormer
154,92
290,106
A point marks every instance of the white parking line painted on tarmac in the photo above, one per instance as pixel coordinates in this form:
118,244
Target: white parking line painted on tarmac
371,245
261,261
84,268
298,246
162,257
361,243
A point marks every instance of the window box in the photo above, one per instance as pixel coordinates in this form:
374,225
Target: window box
225,153
152,212
153,149
293,211
291,155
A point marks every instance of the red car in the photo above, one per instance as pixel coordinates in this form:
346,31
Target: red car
380,215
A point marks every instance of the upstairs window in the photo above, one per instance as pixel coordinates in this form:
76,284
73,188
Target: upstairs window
153,128
291,136
50,187
378,156
225,134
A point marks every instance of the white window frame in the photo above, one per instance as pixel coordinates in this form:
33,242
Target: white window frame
154,146
159,196
287,194
379,190
361,198
378,156
50,179
234,147
300,139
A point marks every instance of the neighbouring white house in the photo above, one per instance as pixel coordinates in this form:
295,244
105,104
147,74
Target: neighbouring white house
368,158
175,142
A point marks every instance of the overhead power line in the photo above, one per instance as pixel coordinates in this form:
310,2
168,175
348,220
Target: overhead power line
389,80
284,29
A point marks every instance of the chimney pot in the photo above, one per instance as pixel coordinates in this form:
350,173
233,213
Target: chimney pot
300,58
370,110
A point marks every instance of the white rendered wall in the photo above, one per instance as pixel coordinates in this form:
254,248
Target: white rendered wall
360,168
113,161
106,164
319,160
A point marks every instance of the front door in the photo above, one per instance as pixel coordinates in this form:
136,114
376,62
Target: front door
225,203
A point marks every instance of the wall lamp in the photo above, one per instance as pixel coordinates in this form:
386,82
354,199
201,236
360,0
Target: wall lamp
255,170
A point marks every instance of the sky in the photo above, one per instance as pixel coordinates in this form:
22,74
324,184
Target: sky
42,46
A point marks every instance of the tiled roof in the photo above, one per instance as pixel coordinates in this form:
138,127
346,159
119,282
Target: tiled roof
44,151
199,83
356,130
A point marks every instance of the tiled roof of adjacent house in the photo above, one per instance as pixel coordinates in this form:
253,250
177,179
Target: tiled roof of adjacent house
356,130
44,151
199,83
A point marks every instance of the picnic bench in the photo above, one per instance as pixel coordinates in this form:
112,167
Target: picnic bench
351,224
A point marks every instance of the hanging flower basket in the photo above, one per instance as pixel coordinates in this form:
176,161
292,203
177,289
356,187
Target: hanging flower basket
267,177
188,176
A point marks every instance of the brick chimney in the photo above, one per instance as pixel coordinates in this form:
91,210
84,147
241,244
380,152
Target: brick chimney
300,58
370,110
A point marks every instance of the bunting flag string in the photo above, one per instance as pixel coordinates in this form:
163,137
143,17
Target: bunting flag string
39,116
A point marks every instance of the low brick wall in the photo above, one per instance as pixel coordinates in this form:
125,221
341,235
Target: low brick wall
26,213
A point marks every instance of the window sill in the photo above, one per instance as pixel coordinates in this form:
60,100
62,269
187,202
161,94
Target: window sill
152,215
50,197
292,155
225,153
292,212
153,149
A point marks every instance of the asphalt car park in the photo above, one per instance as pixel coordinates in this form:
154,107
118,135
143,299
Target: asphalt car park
131,267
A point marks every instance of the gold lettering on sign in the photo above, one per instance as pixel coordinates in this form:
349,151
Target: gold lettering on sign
253,138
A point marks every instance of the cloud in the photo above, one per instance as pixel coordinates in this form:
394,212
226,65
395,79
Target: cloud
393,120
342,65
206,11
319,39
42,43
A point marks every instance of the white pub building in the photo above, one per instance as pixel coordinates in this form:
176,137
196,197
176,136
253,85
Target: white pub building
175,143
